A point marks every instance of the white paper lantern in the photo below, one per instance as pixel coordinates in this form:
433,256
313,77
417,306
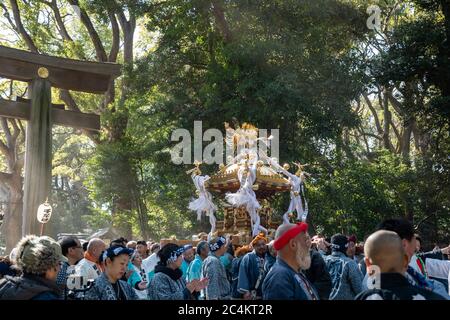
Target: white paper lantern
44,212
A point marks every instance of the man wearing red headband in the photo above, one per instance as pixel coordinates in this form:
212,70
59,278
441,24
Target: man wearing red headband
286,281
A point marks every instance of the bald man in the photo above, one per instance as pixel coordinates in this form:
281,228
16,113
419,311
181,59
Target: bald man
384,251
89,267
405,230
285,280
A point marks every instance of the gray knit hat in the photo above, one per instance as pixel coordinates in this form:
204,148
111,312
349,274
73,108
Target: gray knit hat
36,255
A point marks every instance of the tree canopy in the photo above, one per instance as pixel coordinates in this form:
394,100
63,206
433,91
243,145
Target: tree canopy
367,108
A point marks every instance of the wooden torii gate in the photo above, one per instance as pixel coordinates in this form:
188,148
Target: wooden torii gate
45,72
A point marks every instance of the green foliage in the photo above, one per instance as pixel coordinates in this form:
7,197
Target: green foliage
419,52
107,167
291,66
359,194
72,211
280,71
286,64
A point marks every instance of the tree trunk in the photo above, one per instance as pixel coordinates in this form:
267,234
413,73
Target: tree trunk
405,152
11,182
406,138
128,45
387,122
121,226
222,24
142,208
124,203
346,144
12,221
142,217
38,155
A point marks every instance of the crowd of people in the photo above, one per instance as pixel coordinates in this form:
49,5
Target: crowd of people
389,265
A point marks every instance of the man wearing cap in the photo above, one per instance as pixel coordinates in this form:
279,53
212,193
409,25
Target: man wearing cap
39,260
286,281
108,285
346,278
212,268
251,270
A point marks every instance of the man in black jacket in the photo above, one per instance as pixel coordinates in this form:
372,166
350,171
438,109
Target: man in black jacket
318,275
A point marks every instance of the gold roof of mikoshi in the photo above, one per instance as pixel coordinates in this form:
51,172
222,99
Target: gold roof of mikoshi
268,181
